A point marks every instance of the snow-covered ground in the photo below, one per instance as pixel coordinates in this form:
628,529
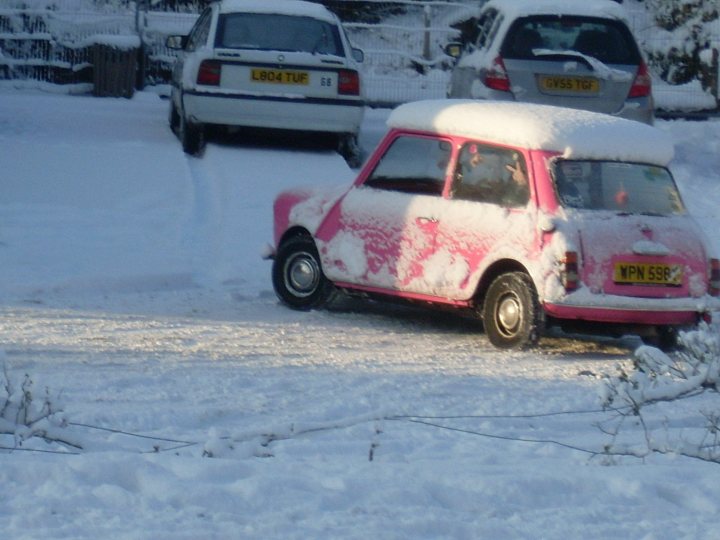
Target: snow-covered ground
132,289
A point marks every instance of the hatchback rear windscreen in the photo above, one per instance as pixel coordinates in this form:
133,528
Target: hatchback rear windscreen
606,40
264,31
627,188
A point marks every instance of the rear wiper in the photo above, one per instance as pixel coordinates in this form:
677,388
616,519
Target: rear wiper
548,54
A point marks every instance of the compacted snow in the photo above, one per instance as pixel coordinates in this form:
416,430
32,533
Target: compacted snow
134,295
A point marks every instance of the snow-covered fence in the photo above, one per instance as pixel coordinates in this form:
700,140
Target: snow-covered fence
404,56
56,41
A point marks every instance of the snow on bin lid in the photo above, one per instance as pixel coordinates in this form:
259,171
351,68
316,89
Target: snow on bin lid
574,133
281,7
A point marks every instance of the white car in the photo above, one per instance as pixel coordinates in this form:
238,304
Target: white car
278,64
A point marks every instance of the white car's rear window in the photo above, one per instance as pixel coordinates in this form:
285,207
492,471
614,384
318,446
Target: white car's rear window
275,32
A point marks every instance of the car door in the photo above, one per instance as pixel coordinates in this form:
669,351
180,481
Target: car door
197,37
487,217
382,232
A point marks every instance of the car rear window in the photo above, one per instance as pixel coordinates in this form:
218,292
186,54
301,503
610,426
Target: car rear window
632,188
265,31
607,40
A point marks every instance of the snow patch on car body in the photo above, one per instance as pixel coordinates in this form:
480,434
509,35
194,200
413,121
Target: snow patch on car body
576,134
279,7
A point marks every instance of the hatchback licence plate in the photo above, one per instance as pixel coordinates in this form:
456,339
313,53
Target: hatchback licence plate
279,76
648,274
575,85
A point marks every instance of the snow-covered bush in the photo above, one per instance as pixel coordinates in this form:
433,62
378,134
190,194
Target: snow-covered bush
687,51
657,378
23,417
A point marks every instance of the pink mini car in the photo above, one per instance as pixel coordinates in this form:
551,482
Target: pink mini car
526,215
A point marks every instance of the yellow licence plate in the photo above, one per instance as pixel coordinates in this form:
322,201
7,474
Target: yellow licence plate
578,85
648,274
279,76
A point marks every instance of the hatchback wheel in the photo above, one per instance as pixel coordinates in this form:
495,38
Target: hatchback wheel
511,314
665,338
297,275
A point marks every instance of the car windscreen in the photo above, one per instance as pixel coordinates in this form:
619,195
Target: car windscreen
535,37
632,188
275,32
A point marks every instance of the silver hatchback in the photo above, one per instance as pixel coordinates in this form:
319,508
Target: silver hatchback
578,54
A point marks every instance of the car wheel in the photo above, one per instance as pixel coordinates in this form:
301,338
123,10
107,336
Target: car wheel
174,117
192,137
665,338
349,149
511,314
297,275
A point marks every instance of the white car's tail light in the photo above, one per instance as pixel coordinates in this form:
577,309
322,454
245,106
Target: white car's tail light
714,277
496,77
569,271
209,73
642,85
348,82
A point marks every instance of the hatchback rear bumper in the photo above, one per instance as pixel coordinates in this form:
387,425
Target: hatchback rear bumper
645,311
307,114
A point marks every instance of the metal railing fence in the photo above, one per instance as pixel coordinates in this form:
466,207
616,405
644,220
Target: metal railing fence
403,41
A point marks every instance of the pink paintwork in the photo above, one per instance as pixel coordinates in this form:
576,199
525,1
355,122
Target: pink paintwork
403,229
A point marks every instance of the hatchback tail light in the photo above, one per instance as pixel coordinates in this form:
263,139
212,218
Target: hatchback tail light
714,277
348,82
569,271
496,77
209,73
642,85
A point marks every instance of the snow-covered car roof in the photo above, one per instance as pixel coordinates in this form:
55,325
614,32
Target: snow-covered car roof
282,7
575,133
590,8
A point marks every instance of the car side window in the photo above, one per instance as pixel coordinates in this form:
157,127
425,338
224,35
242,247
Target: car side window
413,164
491,174
484,25
199,33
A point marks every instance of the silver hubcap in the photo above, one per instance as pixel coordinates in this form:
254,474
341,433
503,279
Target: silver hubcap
302,275
509,314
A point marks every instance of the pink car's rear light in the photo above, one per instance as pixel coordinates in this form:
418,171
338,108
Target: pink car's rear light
209,73
348,82
642,85
714,277
496,77
569,271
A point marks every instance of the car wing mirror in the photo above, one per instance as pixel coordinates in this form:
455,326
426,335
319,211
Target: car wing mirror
176,43
454,50
358,55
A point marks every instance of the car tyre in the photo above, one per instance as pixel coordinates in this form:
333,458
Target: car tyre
297,275
511,313
174,118
349,149
665,338
192,137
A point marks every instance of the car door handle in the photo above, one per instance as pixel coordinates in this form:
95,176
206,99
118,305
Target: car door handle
426,220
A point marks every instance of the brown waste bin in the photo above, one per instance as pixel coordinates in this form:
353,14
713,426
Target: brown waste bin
114,71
